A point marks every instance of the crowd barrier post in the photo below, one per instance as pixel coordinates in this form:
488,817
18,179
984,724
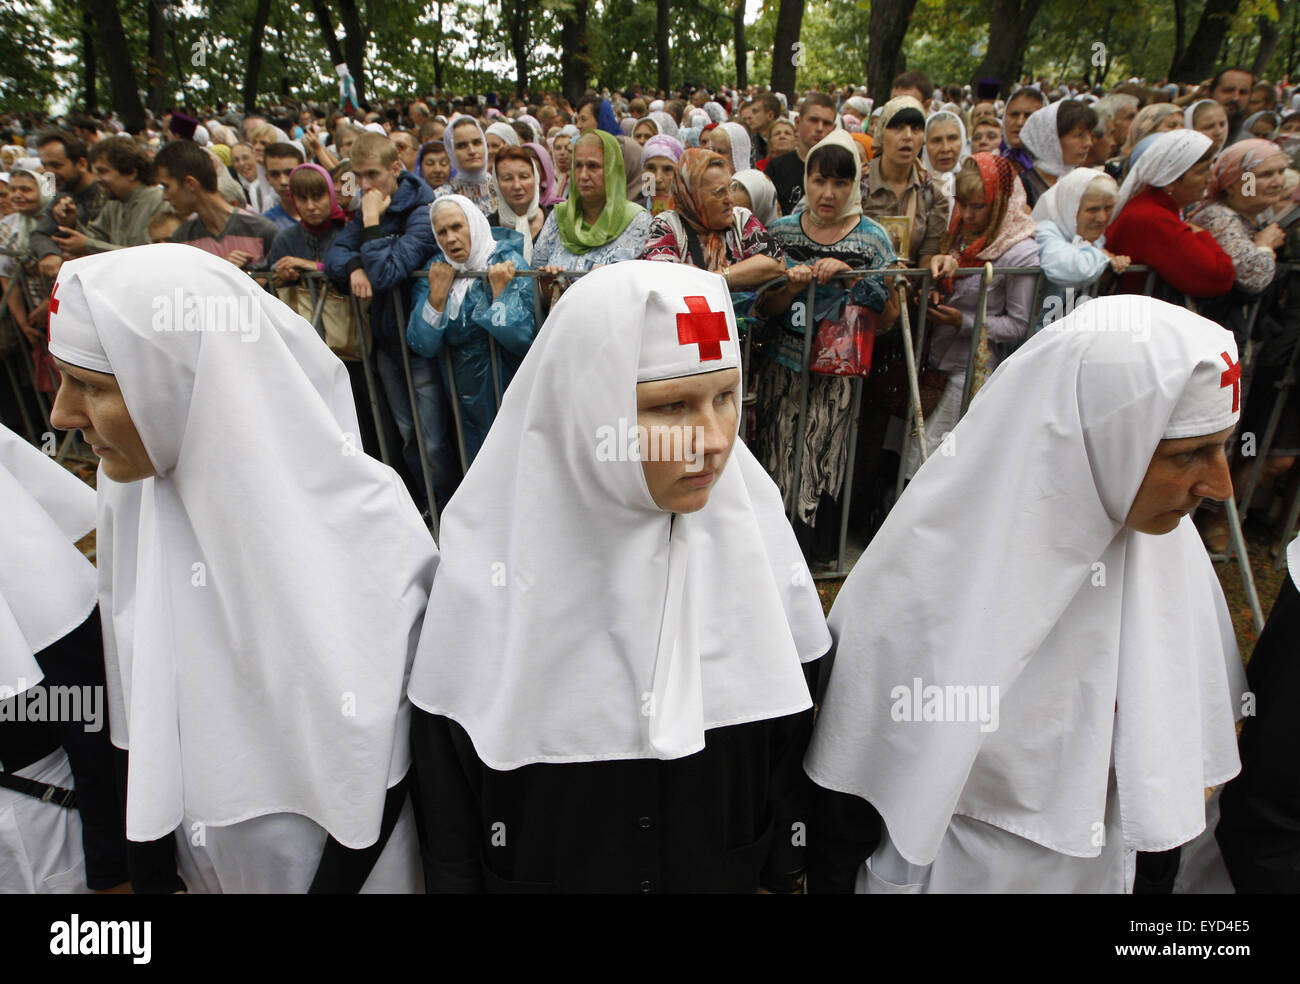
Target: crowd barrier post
979,332
368,373
804,380
399,309
913,376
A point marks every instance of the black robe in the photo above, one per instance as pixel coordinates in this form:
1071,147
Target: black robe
730,818
1259,832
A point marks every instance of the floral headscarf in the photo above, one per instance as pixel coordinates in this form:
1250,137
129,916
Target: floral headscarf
688,203
1009,218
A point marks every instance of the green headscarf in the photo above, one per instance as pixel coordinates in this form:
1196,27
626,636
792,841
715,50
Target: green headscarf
577,236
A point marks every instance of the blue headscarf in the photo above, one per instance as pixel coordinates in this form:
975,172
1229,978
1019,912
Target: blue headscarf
605,120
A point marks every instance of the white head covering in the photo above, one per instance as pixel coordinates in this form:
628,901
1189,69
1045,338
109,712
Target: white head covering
479,176
505,131
762,194
371,127
853,204
481,243
1008,565
946,180
508,218
1189,114
261,592
1040,137
656,105
1162,163
1059,204
572,620
714,111
739,145
47,588
665,122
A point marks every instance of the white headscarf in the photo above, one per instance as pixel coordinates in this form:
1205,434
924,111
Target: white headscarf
1041,139
739,145
665,122
262,592
572,620
714,111
946,180
479,176
1165,161
1189,114
1008,565
505,131
762,194
1059,204
47,588
853,204
481,244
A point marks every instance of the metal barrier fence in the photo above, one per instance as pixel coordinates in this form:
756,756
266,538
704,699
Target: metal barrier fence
913,338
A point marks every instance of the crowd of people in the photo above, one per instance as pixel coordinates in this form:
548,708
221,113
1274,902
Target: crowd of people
537,268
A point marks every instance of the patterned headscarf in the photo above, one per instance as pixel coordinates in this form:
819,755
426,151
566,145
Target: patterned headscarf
688,203
1242,157
1145,122
1009,218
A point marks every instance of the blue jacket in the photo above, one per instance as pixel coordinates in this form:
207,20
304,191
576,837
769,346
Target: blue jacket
390,252
462,342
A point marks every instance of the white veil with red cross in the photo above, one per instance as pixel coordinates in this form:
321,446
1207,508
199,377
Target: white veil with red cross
572,620
1006,573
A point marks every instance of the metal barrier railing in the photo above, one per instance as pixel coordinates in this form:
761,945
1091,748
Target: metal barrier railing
914,338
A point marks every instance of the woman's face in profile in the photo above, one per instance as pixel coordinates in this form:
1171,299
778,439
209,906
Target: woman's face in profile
1182,472
92,402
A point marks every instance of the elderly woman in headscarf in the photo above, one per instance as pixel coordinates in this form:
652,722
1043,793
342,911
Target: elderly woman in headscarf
896,184
1059,136
1071,220
659,158
455,319
945,149
30,195
714,111
731,140
1147,226
1209,117
828,236
471,176
706,229
562,152
519,180
598,224
990,224
752,189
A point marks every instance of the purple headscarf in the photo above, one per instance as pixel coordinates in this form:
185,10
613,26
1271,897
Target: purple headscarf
662,145
546,194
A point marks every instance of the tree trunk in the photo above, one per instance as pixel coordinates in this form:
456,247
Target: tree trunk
156,65
742,63
117,62
254,67
1180,31
886,29
663,55
576,54
1197,60
437,53
1008,36
88,62
327,31
1269,36
354,47
787,55
518,23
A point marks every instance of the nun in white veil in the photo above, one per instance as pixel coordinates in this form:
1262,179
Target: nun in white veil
1035,673
261,580
602,638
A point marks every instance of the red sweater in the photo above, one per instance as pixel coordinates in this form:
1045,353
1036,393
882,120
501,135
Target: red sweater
1150,231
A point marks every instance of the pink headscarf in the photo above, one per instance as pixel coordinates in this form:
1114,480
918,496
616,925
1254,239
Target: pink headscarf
336,214
1235,161
546,194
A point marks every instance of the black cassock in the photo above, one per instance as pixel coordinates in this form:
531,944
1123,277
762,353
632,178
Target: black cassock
1260,828
730,818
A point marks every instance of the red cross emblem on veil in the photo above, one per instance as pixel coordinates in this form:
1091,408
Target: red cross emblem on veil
1231,377
54,301
702,327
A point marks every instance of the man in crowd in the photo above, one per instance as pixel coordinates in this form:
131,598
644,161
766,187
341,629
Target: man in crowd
189,180
281,159
759,115
125,173
79,199
816,119
914,84
1231,90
